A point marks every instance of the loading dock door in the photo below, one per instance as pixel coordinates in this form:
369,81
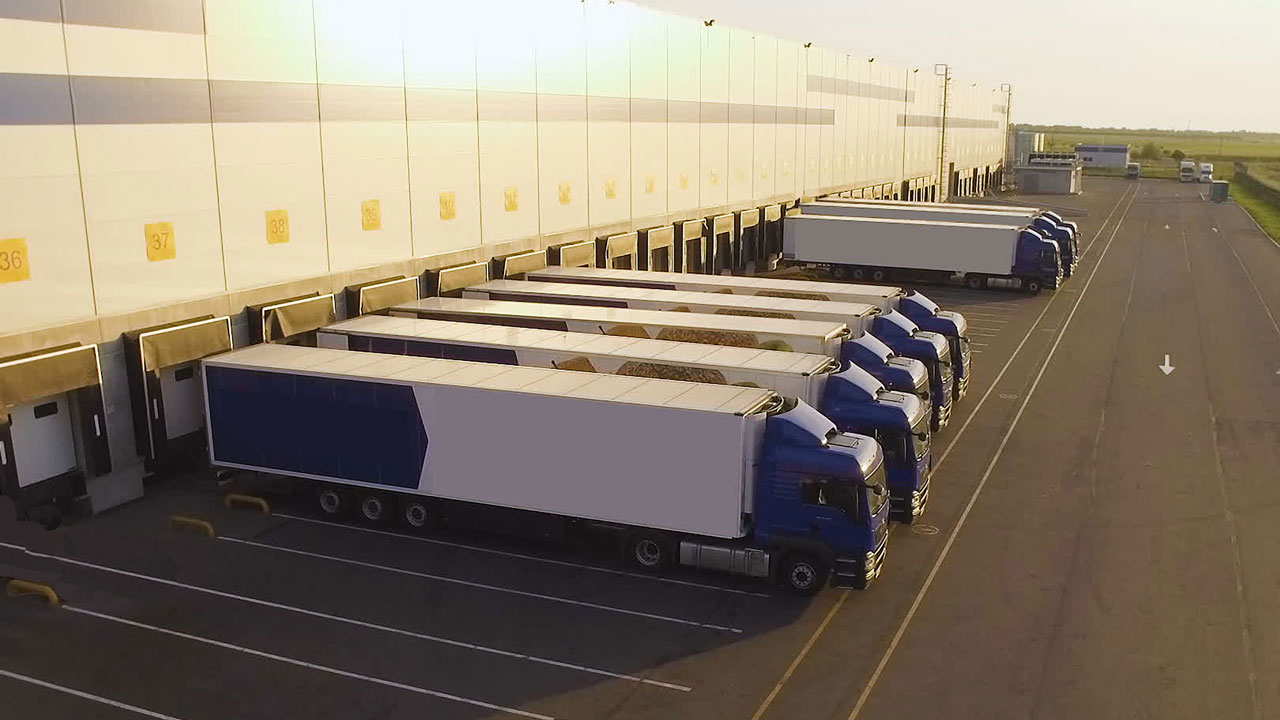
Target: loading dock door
43,439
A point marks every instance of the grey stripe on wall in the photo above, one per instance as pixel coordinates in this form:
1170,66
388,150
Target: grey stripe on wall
180,16
853,88
39,10
953,123
34,99
239,101
43,100
999,108
127,101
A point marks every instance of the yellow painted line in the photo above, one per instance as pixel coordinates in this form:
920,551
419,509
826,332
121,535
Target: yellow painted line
16,587
799,658
185,521
242,499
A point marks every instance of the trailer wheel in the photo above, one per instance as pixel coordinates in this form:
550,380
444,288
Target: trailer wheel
879,275
420,516
802,573
840,272
374,508
333,503
859,273
974,282
648,550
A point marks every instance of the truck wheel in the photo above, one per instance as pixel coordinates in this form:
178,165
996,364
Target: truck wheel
648,551
802,573
879,275
859,273
419,516
333,503
975,282
374,508
1032,285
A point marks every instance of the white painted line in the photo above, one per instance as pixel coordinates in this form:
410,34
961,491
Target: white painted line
482,586
984,333
344,620
977,491
521,556
1274,326
308,665
983,319
86,696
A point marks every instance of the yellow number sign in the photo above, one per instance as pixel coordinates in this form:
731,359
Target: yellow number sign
448,205
611,188
649,184
511,198
160,241
277,227
684,181
15,263
371,215
566,192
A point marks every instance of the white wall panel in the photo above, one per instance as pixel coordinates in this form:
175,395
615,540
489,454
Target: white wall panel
444,154
713,140
40,187
264,164
363,131
826,132
609,110
790,100
562,116
811,89
648,113
684,88
765,130
507,109
839,143
742,90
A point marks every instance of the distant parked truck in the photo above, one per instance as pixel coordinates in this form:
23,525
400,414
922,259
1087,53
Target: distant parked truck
849,396
979,255
1206,172
919,309
892,328
1133,170
832,339
1060,233
1186,171
727,478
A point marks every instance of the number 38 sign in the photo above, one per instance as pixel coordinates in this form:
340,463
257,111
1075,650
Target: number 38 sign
14,261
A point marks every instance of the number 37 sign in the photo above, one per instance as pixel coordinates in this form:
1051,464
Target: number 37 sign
160,241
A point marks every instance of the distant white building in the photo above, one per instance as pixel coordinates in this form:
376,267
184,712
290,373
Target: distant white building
1111,156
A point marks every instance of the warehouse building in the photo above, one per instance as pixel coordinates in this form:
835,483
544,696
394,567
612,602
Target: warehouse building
186,175
1106,156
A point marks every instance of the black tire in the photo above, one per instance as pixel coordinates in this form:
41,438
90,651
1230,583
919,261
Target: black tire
334,503
974,282
879,275
417,514
840,272
375,508
1032,286
48,516
648,551
859,273
802,573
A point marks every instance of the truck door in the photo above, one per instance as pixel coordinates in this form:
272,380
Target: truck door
44,444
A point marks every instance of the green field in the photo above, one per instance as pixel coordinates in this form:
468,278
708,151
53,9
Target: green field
1260,151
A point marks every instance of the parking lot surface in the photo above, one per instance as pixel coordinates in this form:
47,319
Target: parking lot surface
1101,541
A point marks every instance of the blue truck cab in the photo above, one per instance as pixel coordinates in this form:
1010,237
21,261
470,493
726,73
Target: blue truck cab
892,370
856,402
906,338
822,504
950,324
1037,261
1062,235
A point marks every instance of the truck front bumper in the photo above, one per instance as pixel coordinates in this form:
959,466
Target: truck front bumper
941,416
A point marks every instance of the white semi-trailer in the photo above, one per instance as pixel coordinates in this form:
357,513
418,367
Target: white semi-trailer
893,328
1063,235
728,478
918,308
848,395
979,255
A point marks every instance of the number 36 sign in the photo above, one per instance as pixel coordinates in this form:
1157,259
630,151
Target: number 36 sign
15,263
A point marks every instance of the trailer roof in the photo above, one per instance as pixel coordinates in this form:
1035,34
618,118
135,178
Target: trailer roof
678,297
728,399
593,313
683,353
891,221
718,281
935,208
910,203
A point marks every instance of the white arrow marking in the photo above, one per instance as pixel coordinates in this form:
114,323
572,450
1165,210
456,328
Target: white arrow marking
1166,368
1166,227
1215,229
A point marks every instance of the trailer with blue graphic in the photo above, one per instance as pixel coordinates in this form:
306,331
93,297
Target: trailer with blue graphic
728,478
849,396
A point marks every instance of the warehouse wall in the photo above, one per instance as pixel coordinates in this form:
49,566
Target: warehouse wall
169,157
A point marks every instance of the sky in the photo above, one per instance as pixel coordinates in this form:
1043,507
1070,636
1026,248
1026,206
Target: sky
1171,64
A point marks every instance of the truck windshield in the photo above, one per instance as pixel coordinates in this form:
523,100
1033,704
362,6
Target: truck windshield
877,493
1050,257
